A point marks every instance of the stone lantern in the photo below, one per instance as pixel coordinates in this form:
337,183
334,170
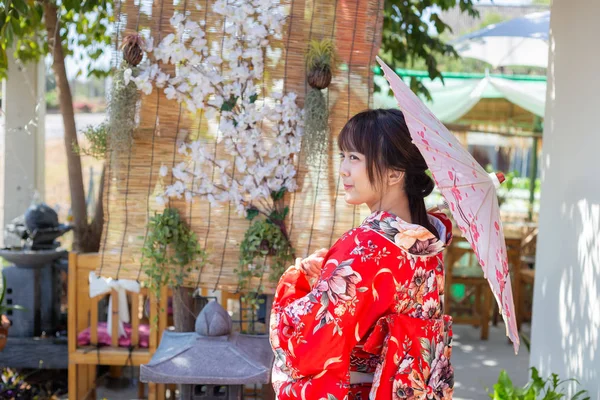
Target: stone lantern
213,361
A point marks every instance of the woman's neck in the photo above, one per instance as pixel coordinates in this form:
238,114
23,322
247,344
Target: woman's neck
394,203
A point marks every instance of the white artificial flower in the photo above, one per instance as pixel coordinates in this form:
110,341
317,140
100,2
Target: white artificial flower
127,76
161,79
176,19
163,171
170,92
146,87
240,165
210,113
211,199
223,164
291,185
180,173
262,137
167,41
149,44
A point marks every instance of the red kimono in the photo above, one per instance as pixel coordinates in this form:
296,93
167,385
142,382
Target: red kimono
372,325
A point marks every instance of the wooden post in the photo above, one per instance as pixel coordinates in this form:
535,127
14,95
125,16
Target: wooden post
72,320
183,309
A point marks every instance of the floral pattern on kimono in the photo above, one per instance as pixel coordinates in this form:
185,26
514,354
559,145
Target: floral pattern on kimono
416,358
386,267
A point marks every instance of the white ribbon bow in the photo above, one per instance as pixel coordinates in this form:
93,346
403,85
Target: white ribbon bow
100,285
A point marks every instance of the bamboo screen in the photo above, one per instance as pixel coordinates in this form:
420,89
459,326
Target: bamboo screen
318,214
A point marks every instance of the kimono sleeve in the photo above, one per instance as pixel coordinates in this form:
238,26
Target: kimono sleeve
317,331
292,285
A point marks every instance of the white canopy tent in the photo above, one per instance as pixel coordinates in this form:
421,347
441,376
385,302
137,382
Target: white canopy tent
455,97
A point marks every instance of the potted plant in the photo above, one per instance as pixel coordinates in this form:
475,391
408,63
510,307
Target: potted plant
4,309
170,250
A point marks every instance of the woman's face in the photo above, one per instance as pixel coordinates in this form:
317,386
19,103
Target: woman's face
353,171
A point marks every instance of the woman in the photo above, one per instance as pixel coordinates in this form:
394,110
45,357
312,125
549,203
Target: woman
370,321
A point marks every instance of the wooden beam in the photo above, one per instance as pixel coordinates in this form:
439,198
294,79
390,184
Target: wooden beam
109,356
486,129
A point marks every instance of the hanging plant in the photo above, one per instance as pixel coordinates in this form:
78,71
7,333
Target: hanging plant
316,125
320,59
116,134
169,251
266,248
124,97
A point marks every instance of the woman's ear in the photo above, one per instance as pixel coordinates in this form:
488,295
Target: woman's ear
395,177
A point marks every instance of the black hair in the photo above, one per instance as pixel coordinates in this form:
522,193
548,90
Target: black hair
383,137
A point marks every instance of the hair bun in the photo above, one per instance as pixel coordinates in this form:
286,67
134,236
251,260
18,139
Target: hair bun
418,185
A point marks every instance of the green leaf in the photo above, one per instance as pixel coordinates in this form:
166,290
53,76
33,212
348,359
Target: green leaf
505,381
253,98
408,40
21,7
537,382
279,194
580,393
251,213
530,394
229,104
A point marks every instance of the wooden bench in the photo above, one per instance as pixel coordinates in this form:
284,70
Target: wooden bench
83,313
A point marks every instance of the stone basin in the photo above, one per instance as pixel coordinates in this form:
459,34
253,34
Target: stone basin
26,258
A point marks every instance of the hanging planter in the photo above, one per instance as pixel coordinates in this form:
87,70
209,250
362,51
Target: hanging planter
115,135
170,250
124,97
320,59
132,47
265,250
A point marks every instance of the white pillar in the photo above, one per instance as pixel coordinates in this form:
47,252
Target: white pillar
22,141
566,313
